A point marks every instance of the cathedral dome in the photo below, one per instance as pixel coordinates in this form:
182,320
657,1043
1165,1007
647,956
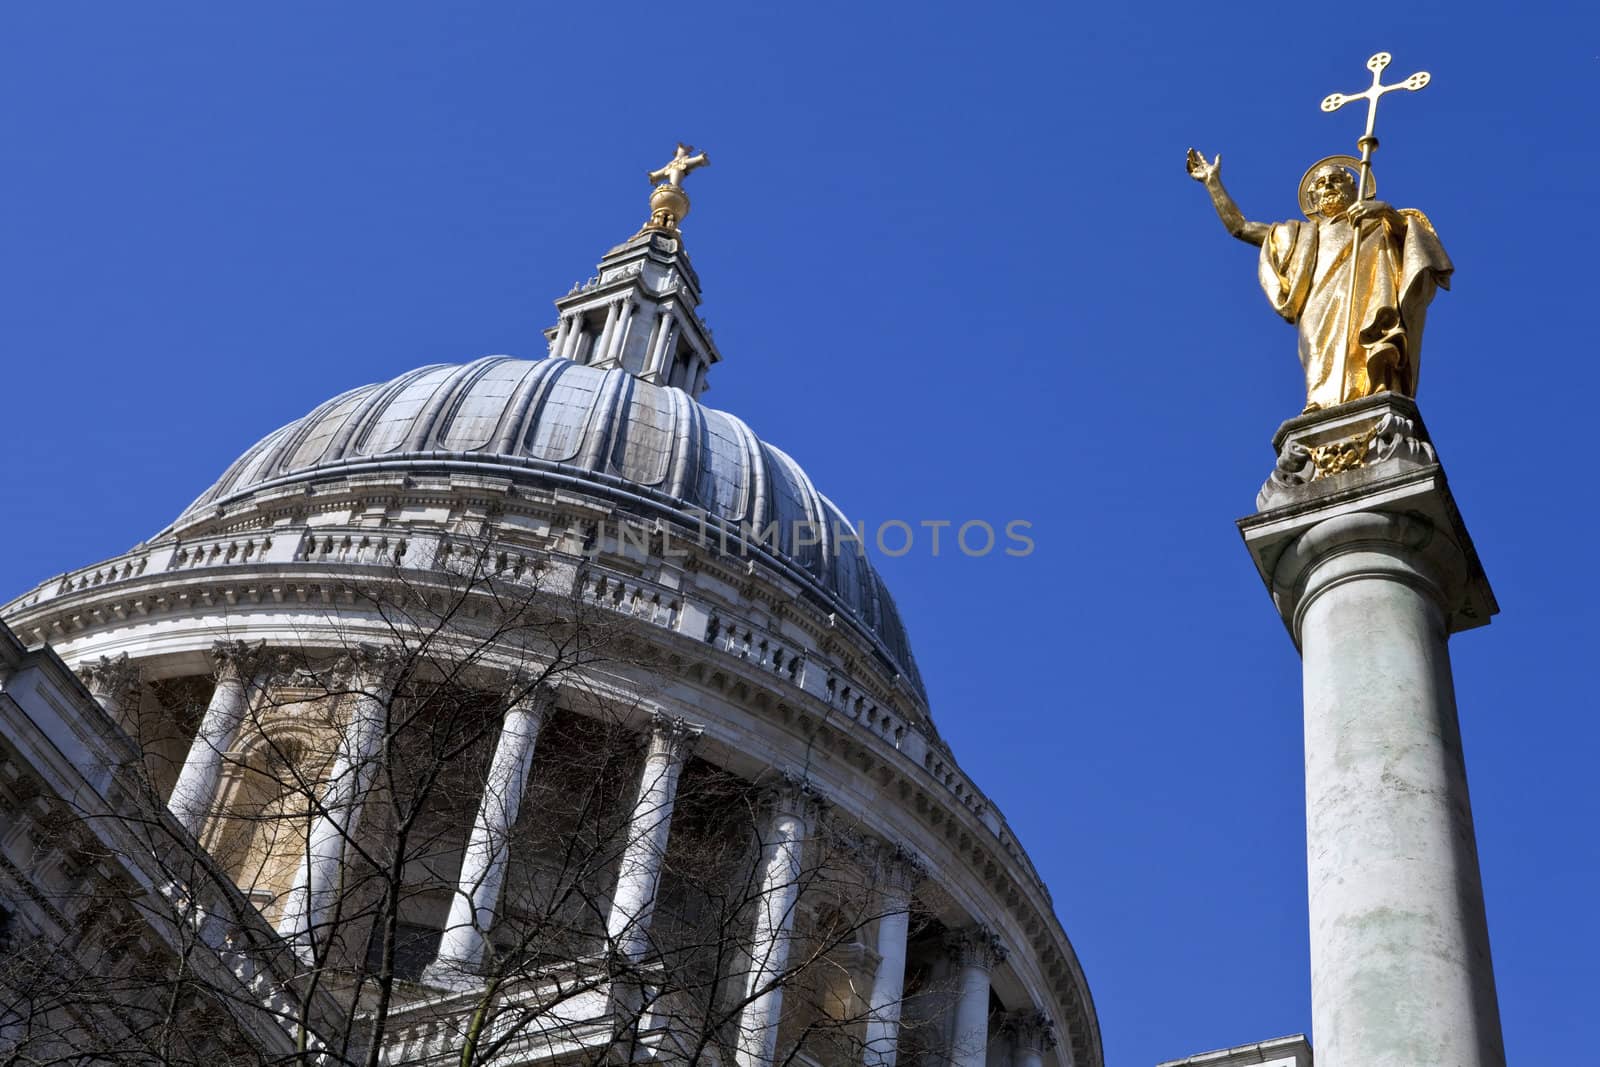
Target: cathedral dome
651,449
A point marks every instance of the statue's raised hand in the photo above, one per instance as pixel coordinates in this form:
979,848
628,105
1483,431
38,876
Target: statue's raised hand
1200,170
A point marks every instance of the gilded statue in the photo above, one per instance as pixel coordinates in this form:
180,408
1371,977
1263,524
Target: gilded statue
1355,277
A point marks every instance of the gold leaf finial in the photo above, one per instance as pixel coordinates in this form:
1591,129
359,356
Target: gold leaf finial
668,202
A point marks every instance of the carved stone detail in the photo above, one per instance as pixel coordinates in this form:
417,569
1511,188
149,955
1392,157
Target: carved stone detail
242,659
975,946
675,736
1323,446
110,678
1030,1029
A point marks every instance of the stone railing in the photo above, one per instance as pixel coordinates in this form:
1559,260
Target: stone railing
101,574
345,546
860,708
630,596
754,646
219,552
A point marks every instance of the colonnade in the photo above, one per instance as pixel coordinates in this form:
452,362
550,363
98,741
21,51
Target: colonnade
789,821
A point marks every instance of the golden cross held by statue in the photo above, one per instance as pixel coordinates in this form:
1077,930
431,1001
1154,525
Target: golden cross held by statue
681,164
1334,101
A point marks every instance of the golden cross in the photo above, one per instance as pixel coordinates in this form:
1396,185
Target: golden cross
1334,101
682,163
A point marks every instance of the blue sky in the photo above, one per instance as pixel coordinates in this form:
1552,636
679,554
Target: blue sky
956,269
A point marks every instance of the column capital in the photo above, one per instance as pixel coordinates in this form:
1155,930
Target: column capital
524,689
796,795
1030,1029
673,736
109,677
900,866
975,946
243,660
372,666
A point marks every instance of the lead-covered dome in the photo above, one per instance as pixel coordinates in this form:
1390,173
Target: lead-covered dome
651,447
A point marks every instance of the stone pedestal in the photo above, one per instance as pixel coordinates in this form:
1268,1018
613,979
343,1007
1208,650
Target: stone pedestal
1365,555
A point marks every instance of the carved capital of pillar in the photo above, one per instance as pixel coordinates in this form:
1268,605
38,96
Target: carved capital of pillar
372,668
899,868
240,660
672,736
795,795
525,690
110,678
975,946
1030,1029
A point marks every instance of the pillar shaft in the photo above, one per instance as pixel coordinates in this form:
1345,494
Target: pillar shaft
660,356
309,907
781,865
196,789
602,344
574,336
619,337
975,952
881,1040
1400,967
639,875
483,862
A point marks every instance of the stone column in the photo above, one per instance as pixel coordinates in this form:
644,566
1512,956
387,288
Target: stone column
975,952
898,871
558,344
793,810
1372,570
619,338
628,924
239,667
114,682
602,344
483,862
574,335
318,881
1031,1034
666,337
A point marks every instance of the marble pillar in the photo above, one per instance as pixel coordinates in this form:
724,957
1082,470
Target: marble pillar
483,861
974,952
1372,570
239,667
898,871
310,902
639,874
793,809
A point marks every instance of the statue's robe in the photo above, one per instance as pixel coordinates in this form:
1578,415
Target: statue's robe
1305,272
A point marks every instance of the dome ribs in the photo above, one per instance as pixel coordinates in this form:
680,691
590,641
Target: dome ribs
686,453
610,406
648,451
511,436
360,422
427,427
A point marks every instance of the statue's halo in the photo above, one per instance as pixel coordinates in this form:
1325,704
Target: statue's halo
1349,163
